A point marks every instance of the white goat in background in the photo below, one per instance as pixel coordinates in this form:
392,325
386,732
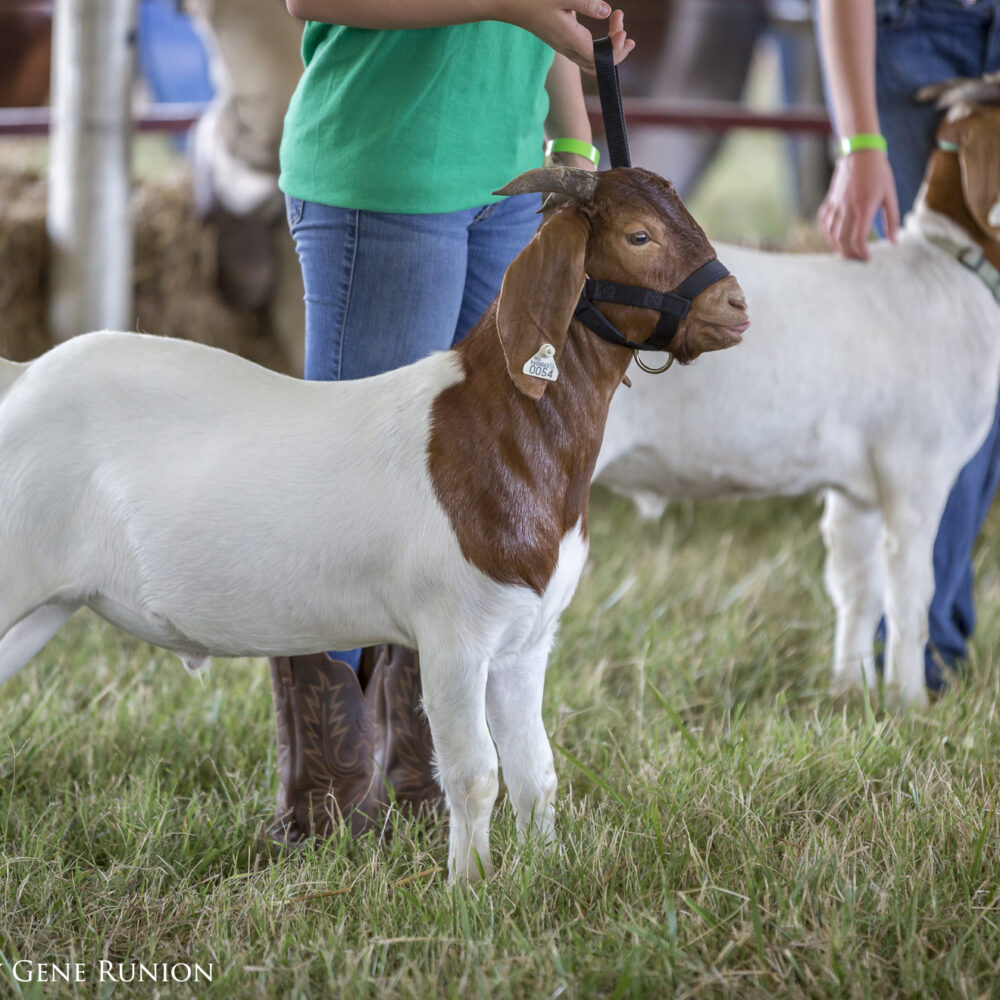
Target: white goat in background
874,383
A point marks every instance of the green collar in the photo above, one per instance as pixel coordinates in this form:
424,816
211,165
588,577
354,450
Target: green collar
973,258
948,147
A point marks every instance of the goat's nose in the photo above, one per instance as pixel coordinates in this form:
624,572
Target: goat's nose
738,301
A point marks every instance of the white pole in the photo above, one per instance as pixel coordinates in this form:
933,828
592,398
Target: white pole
89,220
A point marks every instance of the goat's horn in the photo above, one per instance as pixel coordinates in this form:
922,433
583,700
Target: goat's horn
984,89
573,182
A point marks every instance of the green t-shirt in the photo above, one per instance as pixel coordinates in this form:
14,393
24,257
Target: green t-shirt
428,120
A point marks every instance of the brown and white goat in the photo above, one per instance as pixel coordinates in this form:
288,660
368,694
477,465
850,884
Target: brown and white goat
873,382
215,508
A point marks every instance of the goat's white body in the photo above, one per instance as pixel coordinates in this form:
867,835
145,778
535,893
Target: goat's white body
212,507
249,528
875,381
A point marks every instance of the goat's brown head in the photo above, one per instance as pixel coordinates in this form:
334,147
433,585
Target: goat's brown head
626,225
970,128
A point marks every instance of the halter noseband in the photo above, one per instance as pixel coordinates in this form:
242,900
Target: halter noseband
672,306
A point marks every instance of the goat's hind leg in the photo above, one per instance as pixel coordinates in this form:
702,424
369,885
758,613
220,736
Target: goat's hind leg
28,634
854,577
514,710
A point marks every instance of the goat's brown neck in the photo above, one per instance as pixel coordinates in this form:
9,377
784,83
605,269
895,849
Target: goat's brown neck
513,474
943,193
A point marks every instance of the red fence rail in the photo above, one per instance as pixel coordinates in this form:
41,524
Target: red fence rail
716,115
155,118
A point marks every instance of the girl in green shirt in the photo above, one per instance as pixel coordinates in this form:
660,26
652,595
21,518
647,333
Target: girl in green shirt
408,115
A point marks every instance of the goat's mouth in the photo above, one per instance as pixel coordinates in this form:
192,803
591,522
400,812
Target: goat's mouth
736,331
706,336
720,335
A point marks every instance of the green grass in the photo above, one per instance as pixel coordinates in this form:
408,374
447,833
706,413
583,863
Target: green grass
724,829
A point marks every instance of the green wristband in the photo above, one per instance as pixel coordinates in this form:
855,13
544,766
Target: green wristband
864,140
577,146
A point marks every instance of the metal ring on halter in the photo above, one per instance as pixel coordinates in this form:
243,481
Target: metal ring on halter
653,371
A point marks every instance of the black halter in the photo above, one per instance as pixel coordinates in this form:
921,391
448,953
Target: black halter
672,306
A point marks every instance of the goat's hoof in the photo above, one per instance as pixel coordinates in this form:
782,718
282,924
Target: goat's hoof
473,872
847,686
903,699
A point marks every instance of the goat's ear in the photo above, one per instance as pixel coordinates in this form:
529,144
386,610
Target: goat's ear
979,161
539,295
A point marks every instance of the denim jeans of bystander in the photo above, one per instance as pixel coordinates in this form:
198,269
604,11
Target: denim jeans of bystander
383,290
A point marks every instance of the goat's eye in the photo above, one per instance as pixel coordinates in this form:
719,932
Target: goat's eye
637,239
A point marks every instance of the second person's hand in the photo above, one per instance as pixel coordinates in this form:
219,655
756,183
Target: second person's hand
862,185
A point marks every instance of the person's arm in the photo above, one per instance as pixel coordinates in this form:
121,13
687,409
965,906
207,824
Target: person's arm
862,181
553,21
567,116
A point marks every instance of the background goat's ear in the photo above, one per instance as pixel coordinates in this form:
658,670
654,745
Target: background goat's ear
979,160
539,295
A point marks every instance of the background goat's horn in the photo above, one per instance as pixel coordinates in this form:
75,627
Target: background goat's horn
573,182
977,90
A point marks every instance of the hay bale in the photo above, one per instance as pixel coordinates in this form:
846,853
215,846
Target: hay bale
24,264
175,290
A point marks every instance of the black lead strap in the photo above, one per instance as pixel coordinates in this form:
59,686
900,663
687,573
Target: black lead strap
672,306
610,91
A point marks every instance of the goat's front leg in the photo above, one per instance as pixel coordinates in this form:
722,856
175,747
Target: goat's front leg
454,689
854,581
514,710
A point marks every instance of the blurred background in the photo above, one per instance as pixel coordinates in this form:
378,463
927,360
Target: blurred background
722,96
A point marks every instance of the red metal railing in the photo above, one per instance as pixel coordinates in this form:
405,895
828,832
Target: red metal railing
155,118
717,115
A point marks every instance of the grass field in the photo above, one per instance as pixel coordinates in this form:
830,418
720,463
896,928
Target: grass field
724,829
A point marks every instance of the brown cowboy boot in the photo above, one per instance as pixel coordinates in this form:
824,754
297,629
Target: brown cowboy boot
403,748
339,750
325,751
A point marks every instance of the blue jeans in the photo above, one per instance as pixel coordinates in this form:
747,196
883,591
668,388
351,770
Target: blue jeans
920,42
383,290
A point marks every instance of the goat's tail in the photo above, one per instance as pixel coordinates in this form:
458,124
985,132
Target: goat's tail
10,372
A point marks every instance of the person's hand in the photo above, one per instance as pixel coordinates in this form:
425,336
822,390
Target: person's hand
557,26
862,185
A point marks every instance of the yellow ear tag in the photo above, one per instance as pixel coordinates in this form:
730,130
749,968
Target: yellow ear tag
543,364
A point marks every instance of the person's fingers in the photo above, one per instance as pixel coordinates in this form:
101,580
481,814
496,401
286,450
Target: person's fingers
828,215
621,46
838,227
855,225
891,208
845,230
590,8
858,235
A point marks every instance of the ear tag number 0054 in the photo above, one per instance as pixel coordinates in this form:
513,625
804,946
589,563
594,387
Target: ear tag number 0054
543,364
